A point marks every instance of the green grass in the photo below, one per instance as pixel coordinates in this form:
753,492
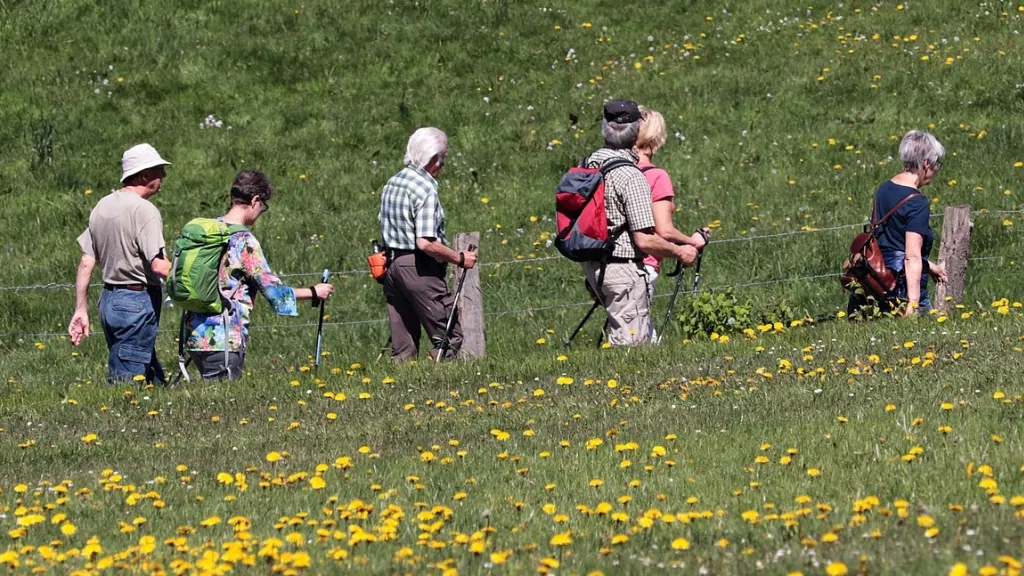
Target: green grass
787,118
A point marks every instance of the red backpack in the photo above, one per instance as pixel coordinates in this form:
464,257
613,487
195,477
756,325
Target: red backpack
865,268
580,215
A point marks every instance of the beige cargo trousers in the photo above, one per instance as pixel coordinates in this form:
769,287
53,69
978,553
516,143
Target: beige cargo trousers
625,299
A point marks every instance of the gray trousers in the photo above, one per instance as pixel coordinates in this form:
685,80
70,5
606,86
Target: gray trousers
418,298
211,365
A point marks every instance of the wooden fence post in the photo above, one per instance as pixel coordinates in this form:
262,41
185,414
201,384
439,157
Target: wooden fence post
955,248
471,303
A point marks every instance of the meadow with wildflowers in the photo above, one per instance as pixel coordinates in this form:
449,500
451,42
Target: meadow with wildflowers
795,442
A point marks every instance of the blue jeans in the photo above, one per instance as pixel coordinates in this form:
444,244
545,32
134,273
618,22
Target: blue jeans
130,320
895,262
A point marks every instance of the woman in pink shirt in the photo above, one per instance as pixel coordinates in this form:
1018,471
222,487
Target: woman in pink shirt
650,140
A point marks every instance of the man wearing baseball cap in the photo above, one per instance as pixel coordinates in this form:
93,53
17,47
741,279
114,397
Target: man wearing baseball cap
622,287
125,235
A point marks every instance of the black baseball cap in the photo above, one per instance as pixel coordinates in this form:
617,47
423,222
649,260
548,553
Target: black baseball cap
621,111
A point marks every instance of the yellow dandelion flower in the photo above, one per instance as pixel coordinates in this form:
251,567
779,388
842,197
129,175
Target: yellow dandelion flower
562,538
211,521
836,569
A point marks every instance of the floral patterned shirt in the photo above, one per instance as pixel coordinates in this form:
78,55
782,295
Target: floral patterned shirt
244,274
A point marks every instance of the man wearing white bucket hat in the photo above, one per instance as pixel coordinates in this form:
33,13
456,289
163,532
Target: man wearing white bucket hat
125,235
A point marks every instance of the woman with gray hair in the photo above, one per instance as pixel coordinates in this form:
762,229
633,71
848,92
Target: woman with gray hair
906,237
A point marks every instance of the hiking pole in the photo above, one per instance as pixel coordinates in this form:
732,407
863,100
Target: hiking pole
320,325
384,349
568,343
696,272
679,281
450,325
678,273
604,333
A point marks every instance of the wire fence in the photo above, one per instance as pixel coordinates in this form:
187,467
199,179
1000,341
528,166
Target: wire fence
524,260
517,311
531,310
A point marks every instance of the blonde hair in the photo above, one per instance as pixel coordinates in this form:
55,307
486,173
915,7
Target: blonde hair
652,131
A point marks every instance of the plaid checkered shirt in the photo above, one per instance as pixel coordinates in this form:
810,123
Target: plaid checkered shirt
627,197
410,209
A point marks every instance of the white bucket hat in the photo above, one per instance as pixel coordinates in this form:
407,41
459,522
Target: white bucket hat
138,158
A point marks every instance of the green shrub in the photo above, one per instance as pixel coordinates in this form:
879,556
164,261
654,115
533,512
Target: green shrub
720,312
779,309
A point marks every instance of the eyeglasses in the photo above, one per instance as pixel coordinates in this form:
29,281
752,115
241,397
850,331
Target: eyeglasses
937,166
266,206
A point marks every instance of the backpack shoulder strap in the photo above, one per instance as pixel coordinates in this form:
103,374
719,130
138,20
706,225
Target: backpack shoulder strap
613,164
876,223
646,169
236,228
606,168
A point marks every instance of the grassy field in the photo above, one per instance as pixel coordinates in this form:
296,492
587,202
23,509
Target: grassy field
888,447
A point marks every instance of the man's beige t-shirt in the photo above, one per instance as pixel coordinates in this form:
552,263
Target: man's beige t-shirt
125,233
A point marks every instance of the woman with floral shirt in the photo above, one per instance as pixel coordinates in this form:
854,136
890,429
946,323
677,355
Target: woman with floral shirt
244,273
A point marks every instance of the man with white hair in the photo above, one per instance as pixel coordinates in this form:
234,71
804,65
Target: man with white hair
412,226
125,235
623,287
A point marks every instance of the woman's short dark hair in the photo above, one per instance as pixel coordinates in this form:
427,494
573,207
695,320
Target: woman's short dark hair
250,184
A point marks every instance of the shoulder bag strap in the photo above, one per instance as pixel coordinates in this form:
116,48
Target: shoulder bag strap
876,223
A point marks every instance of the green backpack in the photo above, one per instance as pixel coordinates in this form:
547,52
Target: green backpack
194,283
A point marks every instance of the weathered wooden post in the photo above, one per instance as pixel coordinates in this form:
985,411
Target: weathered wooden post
471,303
955,248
